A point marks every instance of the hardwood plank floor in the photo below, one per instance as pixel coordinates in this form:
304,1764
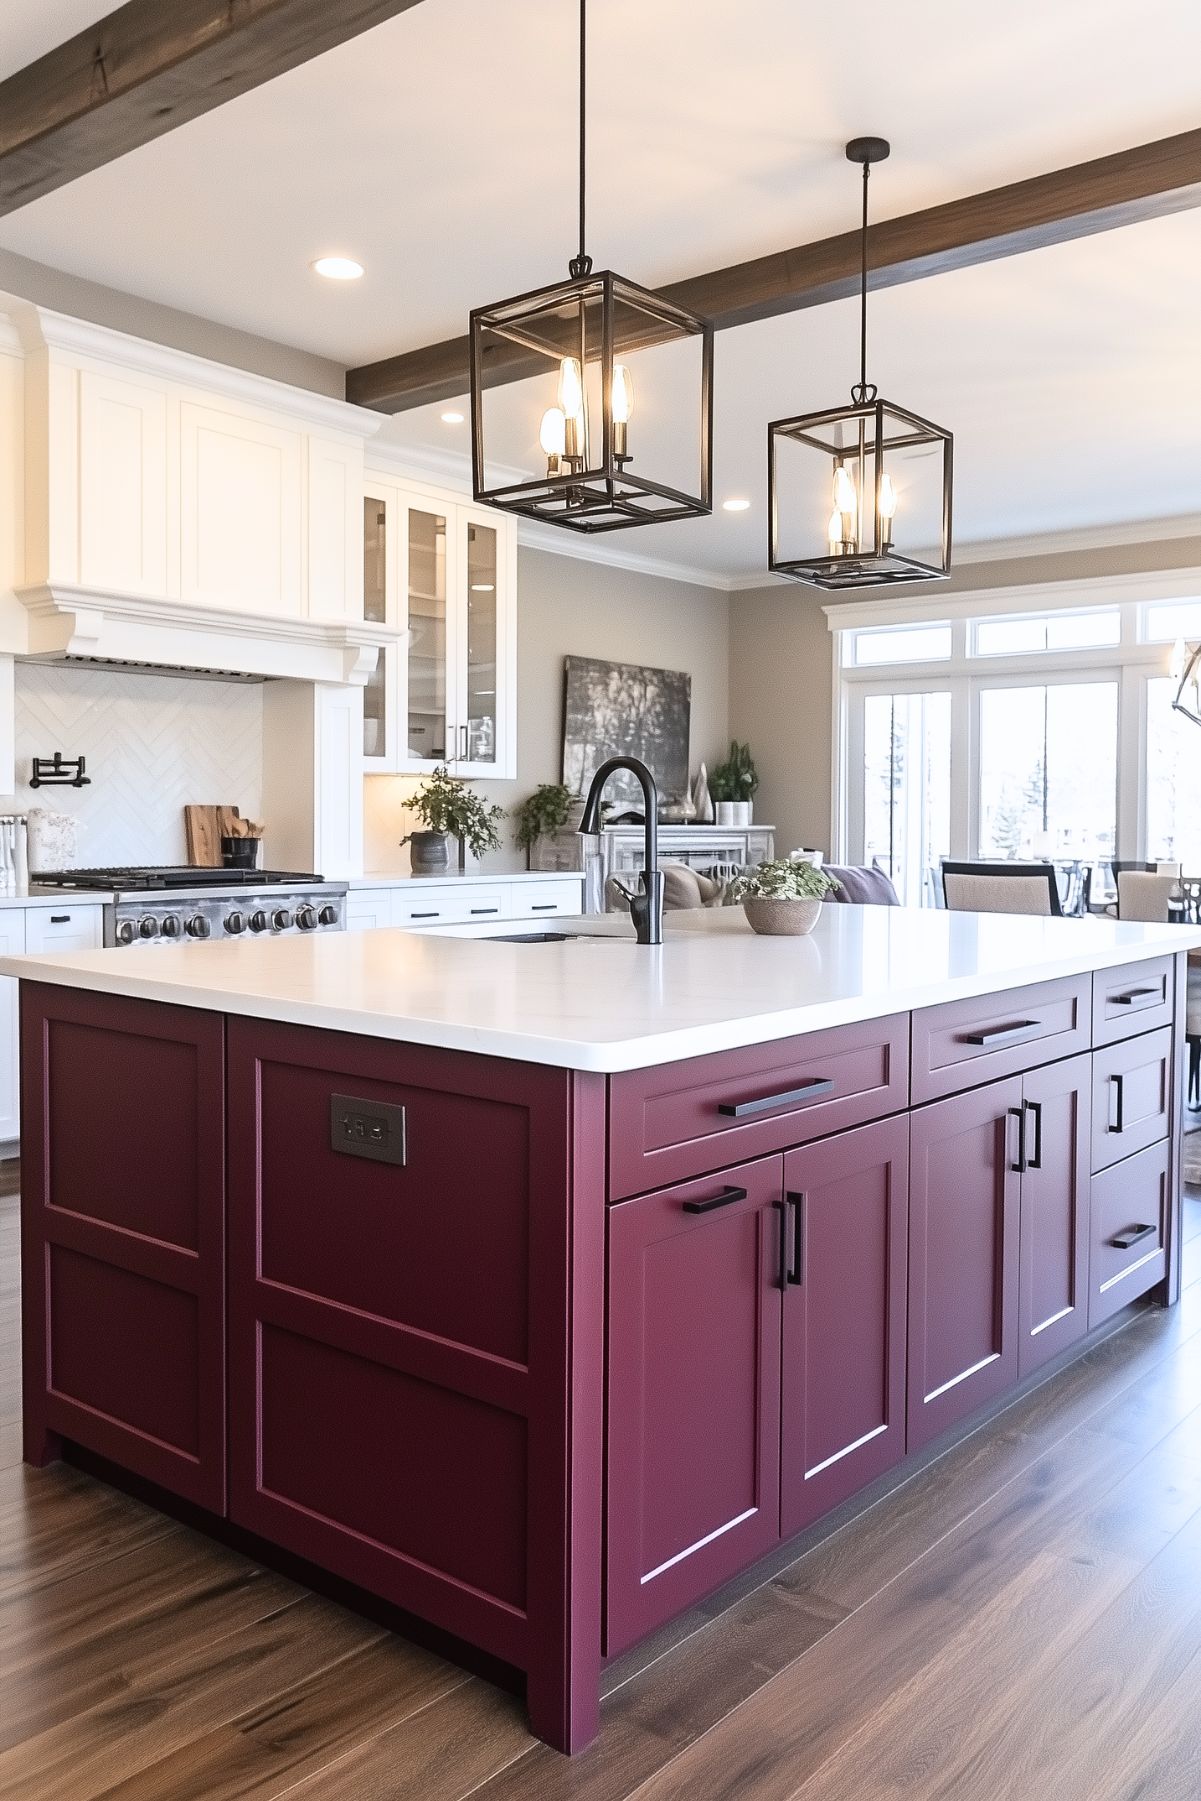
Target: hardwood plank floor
1021,1618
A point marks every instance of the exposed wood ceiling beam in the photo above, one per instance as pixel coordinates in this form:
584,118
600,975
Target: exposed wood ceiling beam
1142,183
152,65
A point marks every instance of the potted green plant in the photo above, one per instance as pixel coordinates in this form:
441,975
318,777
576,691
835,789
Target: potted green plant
733,786
542,814
783,899
450,809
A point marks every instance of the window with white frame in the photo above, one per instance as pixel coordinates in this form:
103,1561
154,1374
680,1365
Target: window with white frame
1012,728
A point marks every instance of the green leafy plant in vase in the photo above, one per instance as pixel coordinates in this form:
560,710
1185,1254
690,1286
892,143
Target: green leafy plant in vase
450,809
542,814
733,786
783,899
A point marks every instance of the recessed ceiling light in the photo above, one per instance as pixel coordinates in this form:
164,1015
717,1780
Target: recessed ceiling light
735,506
483,587
338,268
452,418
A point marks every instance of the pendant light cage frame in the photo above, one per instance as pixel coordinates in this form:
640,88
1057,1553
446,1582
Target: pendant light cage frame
871,440
604,322
1190,680
832,465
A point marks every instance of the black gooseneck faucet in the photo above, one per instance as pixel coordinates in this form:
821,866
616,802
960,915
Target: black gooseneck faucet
646,906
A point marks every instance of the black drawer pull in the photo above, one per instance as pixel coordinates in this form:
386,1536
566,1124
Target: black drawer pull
545,907
433,915
60,919
1117,1122
796,1275
726,1198
479,910
993,1035
1035,1159
808,1091
783,1208
1137,997
1133,1235
1020,1167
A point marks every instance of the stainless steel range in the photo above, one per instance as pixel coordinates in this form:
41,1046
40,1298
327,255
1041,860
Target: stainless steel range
169,906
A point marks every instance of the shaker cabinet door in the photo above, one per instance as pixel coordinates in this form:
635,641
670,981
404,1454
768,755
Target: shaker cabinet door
843,1383
1053,1287
965,1191
694,1392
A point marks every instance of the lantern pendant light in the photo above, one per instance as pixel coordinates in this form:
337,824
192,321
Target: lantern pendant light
554,376
1185,671
859,496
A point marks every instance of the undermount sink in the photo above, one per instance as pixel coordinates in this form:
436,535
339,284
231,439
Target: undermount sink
551,938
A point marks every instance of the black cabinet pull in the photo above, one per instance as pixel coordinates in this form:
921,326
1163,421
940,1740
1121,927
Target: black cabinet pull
1020,1167
726,1198
476,910
545,907
796,1274
60,919
1117,1123
1035,1159
1132,1235
434,915
1137,997
808,1091
993,1035
782,1208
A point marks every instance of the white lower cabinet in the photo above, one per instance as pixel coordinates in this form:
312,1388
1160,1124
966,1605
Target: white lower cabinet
31,930
425,903
12,944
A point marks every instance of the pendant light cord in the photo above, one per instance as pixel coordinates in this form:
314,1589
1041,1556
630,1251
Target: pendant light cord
581,265
864,391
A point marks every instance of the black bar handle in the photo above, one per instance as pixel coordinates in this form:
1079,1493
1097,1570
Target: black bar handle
782,1208
1137,997
60,919
1117,1124
1035,1159
433,914
476,910
726,1198
1132,1235
993,1035
808,1091
796,1273
545,907
1020,1167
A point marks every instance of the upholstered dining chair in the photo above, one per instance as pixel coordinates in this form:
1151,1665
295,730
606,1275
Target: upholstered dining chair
1143,894
1001,888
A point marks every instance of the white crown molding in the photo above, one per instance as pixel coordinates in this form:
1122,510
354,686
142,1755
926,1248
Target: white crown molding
38,328
69,622
563,543
1085,591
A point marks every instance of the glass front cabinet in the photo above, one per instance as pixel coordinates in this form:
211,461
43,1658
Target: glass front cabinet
447,571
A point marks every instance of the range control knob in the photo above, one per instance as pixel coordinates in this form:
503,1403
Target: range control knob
306,918
328,915
281,919
170,927
149,927
259,921
235,923
198,926
126,932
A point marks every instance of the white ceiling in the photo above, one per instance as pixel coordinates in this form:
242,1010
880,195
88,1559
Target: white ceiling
439,150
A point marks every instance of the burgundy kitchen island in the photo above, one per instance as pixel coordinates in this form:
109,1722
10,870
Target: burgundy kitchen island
539,1288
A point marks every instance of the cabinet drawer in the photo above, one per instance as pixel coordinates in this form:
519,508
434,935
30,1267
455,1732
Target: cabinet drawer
63,928
1129,1231
368,909
452,907
534,900
1135,998
965,1043
1132,1096
681,1119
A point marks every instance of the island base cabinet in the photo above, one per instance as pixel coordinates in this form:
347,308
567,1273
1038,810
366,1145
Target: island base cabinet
965,1192
123,1236
843,1380
695,1276
1130,1210
1054,1148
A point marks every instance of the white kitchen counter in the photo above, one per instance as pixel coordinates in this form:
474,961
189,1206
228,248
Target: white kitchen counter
65,898
602,1002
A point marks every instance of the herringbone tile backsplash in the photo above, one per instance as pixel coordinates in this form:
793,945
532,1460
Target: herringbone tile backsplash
152,743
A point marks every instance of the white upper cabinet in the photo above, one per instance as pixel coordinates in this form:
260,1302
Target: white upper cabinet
159,475
448,572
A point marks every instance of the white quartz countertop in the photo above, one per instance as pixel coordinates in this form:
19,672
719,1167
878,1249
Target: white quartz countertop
602,1002
66,898
474,877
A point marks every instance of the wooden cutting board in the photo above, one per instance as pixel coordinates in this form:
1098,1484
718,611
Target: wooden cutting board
206,826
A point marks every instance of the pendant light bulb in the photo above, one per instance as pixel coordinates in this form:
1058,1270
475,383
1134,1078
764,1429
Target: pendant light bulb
888,499
623,409
552,436
571,404
845,498
834,532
